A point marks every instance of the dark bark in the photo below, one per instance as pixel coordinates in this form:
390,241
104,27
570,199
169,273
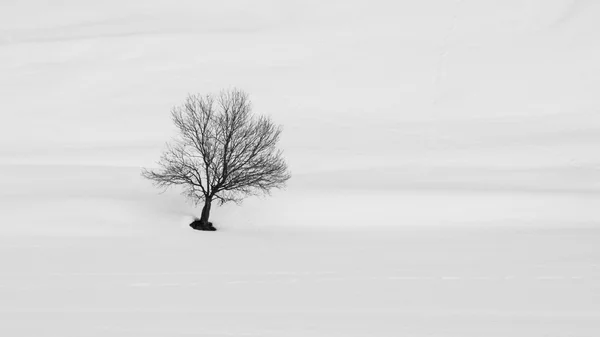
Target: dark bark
206,211
203,224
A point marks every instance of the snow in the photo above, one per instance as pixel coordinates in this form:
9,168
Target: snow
444,157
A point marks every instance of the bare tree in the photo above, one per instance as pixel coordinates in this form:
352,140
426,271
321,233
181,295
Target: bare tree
222,152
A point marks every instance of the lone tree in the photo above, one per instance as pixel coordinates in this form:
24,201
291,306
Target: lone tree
222,152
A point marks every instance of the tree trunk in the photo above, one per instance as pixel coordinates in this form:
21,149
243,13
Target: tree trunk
206,213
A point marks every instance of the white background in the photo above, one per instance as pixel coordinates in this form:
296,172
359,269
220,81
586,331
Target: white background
444,156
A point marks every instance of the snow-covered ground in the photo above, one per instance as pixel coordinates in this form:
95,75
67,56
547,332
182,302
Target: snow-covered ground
254,282
445,159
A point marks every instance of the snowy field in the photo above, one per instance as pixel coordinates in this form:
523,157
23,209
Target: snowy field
282,283
445,159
